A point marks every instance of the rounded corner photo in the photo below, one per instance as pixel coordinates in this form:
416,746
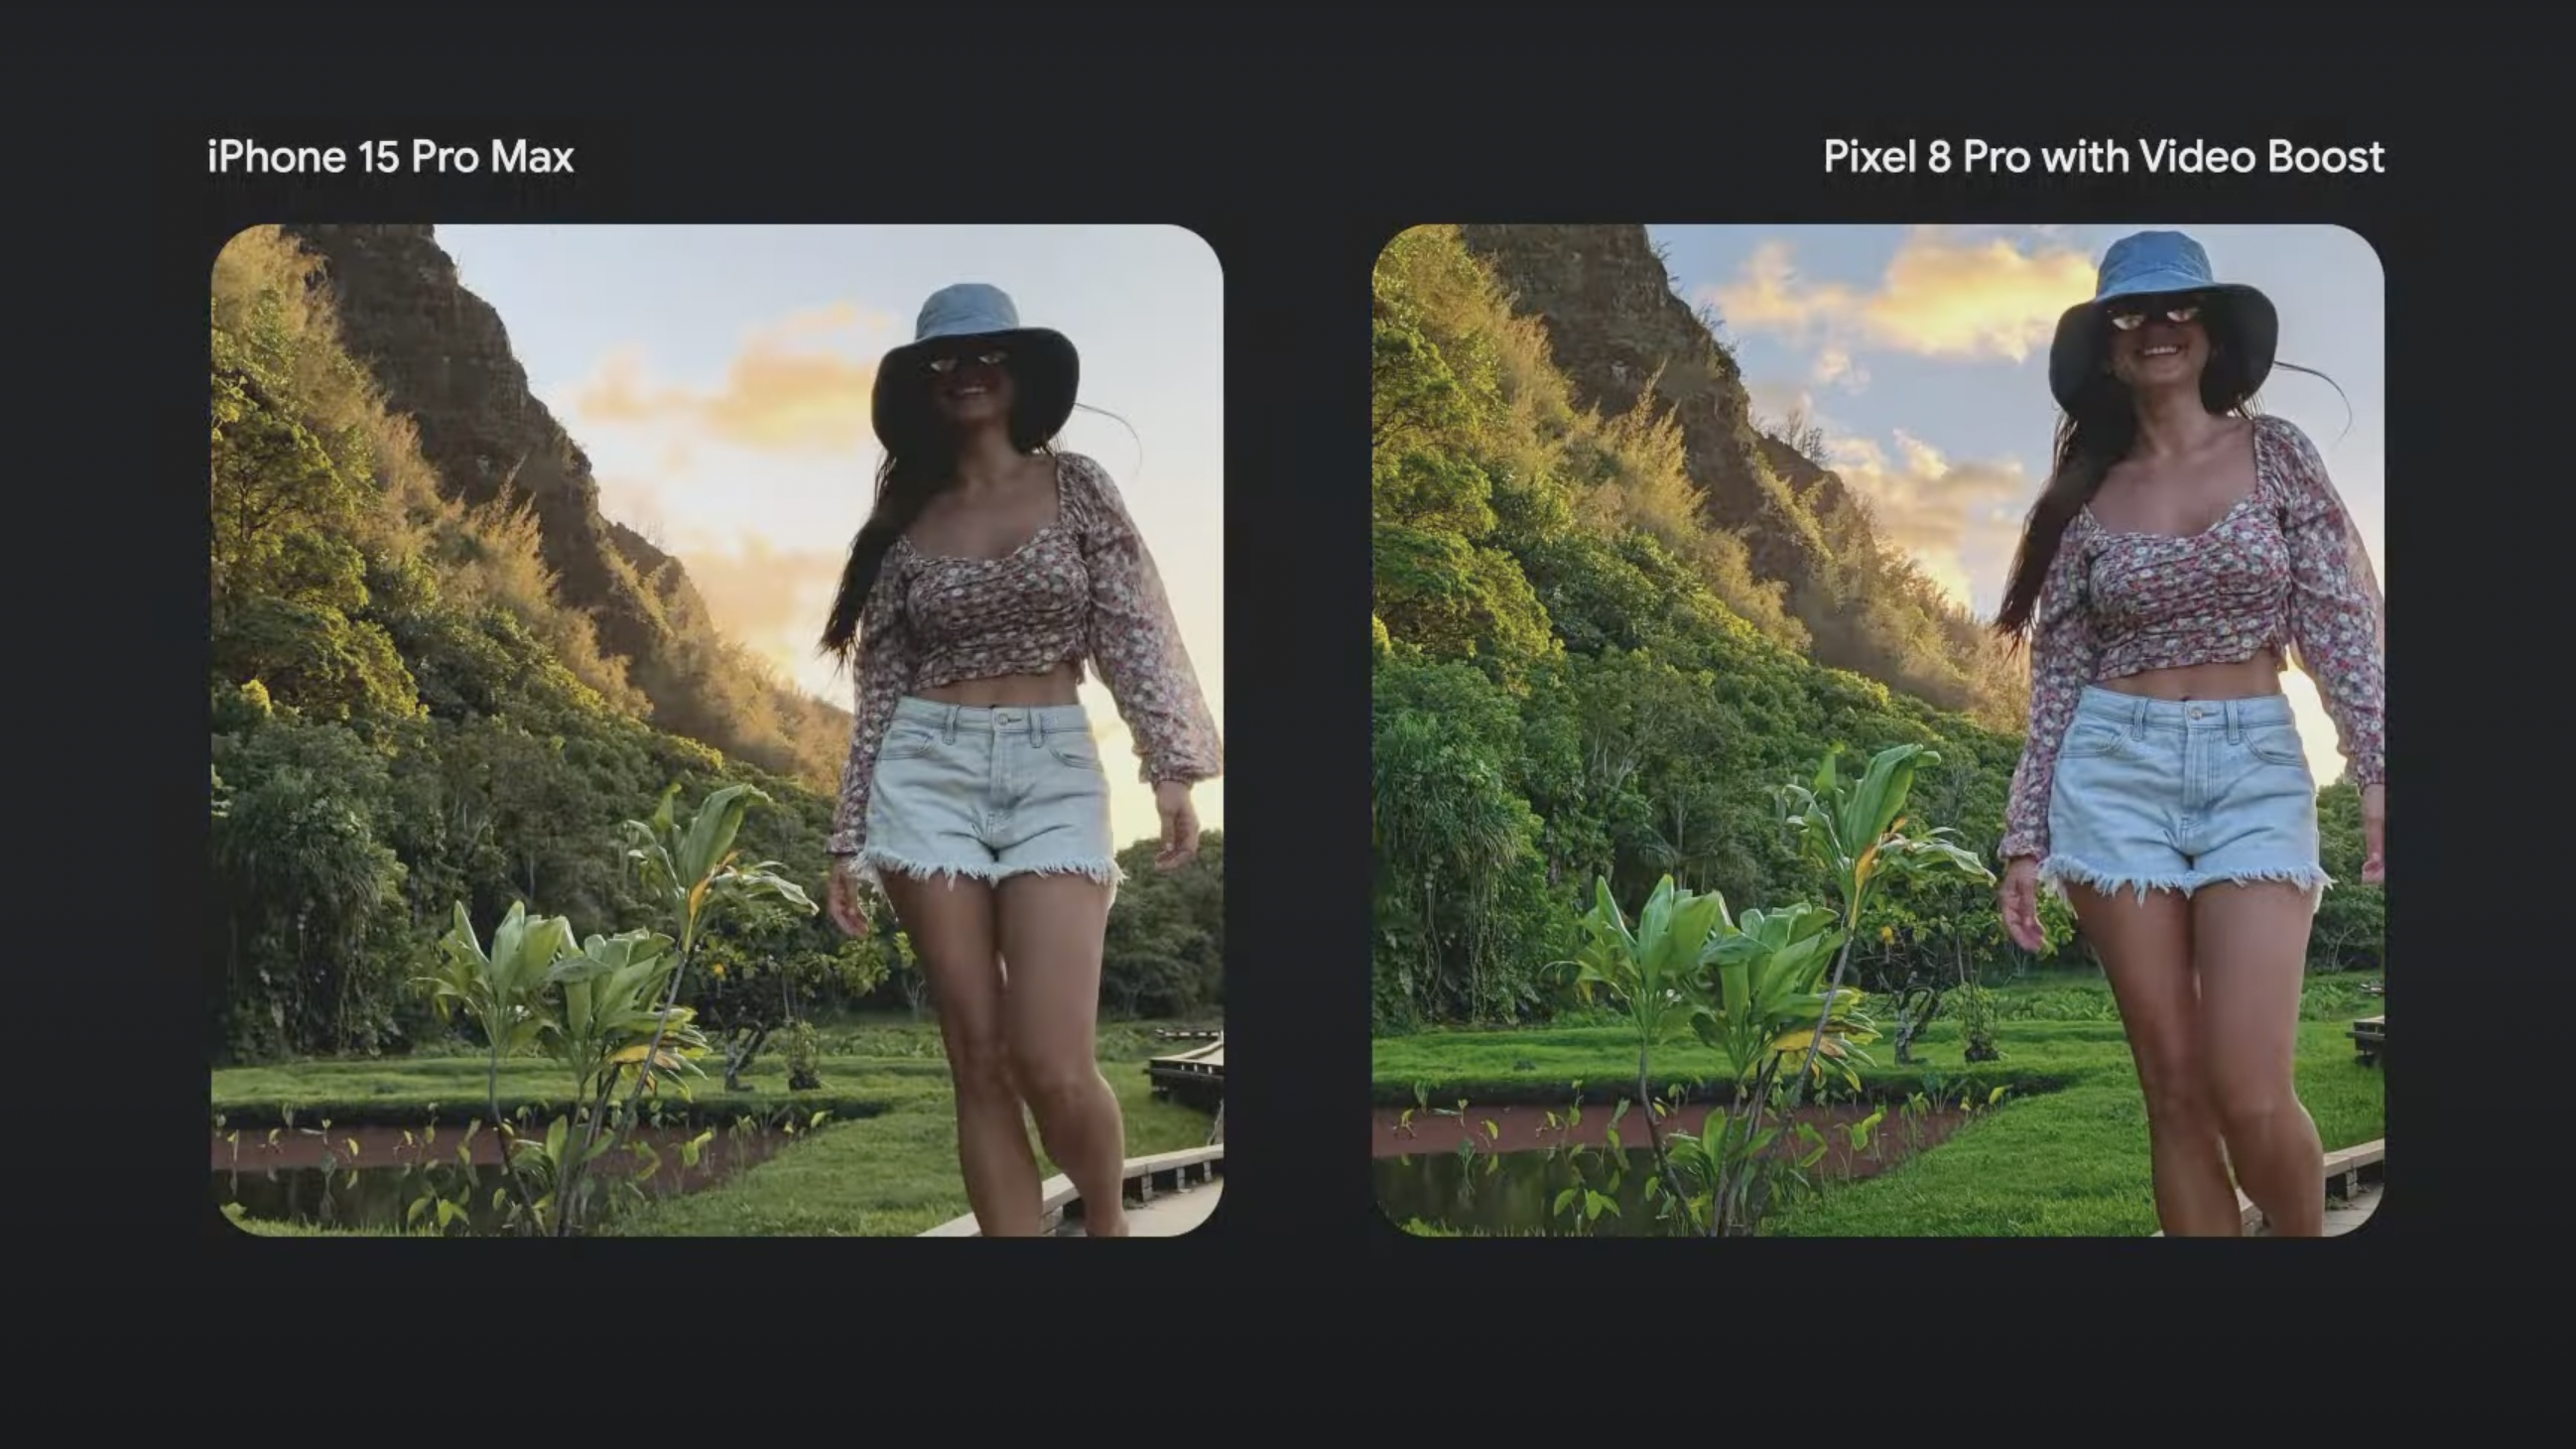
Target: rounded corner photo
1878,731
717,731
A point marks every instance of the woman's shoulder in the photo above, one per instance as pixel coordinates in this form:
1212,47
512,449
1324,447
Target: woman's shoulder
2289,440
2278,429
2082,530
2290,473
1084,470
894,567
1090,495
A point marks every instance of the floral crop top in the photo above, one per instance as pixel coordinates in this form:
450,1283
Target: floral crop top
1083,587
2285,569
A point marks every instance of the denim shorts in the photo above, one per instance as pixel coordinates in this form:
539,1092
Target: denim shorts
2158,794
990,792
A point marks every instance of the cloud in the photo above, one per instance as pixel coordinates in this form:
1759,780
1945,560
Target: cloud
636,502
1835,368
1945,293
781,393
1785,406
1770,399
1959,520
769,599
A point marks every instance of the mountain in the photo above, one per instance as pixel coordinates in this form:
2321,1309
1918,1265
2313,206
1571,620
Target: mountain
1579,674
441,682
440,679
1579,681
1619,333
441,357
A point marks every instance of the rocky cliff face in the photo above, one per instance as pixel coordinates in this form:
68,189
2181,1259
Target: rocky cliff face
1820,490
443,358
1615,327
1612,321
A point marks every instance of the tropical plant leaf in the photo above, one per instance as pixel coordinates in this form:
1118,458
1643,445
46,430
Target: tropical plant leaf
709,838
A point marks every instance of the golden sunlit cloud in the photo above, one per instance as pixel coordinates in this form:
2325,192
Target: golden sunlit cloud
781,393
754,588
638,503
1943,294
768,599
1952,517
618,393
1835,368
775,399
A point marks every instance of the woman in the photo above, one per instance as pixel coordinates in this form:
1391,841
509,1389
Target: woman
975,797
2183,550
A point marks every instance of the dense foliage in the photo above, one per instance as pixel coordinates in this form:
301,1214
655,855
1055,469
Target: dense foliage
405,718
1575,676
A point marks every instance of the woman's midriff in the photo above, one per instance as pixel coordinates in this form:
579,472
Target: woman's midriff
1024,691
2246,679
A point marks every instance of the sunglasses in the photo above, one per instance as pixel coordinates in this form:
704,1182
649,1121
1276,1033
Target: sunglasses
944,365
2131,318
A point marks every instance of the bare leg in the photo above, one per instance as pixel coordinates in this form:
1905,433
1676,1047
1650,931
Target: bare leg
2251,945
1051,931
951,925
2146,951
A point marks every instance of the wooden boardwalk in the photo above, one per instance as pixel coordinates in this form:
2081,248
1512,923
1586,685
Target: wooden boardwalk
1166,1216
1167,1194
2343,1217
2352,1191
1198,1072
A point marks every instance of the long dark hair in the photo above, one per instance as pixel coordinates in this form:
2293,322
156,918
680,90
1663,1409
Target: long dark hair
2093,433
920,463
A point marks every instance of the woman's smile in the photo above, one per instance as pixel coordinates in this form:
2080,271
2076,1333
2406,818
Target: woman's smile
2160,351
972,390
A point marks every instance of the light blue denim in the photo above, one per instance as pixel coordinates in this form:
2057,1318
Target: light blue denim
2157,794
989,793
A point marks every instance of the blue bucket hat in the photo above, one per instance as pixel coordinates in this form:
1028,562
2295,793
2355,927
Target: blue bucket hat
2153,264
1044,365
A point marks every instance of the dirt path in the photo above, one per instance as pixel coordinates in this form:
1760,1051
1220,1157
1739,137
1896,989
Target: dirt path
377,1147
1523,1128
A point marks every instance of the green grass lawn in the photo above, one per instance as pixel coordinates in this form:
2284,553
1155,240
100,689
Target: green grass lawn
889,1175
884,1164
2065,1155
261,1228
869,1066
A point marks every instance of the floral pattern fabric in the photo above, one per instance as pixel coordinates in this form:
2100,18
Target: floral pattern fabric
2285,570
1082,588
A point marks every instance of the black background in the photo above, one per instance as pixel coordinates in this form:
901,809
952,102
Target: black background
1296,153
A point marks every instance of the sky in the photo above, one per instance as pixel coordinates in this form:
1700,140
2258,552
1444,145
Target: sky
718,378
1923,354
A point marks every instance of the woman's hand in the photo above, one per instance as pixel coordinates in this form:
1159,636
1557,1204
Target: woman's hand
2374,833
842,897
1180,825
2019,895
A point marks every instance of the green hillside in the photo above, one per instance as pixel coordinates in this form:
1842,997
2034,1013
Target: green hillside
1580,671
407,714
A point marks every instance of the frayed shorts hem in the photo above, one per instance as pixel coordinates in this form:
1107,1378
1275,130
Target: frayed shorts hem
2058,871
874,864
988,794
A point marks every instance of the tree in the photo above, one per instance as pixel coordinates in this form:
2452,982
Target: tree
1165,951
1804,435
